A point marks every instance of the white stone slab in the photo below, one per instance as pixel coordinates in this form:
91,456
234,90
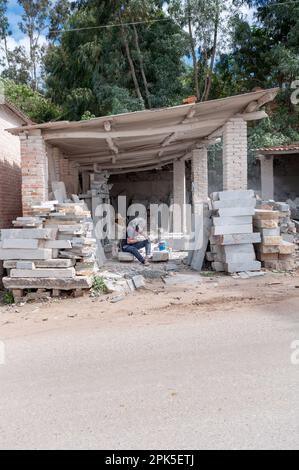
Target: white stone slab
43,273
230,195
236,239
58,244
18,243
230,204
244,266
236,212
27,233
28,265
245,220
232,229
25,254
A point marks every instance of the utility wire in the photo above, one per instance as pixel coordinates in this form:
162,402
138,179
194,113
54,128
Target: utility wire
118,25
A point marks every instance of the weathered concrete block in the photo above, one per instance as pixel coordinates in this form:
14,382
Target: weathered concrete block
272,240
266,249
55,283
218,266
230,204
125,257
138,281
160,256
286,248
43,273
24,244
236,239
58,244
220,221
266,215
267,224
233,195
25,254
42,234
28,265
270,232
244,266
231,229
236,212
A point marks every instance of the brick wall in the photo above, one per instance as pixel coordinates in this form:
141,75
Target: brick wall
235,168
35,173
200,179
10,171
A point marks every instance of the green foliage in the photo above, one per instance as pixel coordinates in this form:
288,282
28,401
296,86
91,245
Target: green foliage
99,286
8,298
35,105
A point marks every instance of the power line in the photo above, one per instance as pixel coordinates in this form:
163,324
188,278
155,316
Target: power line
118,25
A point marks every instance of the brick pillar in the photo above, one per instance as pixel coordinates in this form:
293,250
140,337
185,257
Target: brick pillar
179,196
56,159
34,170
200,181
235,169
267,176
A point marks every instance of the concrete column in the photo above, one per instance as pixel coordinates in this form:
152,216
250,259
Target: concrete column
235,170
34,170
267,176
200,181
179,196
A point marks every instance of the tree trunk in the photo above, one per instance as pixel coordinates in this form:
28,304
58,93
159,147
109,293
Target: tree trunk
145,83
131,63
208,83
195,62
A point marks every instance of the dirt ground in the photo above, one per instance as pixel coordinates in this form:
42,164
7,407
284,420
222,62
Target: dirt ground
197,295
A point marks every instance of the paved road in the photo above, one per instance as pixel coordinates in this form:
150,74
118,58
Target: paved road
217,381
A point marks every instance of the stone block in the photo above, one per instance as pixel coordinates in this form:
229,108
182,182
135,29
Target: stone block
55,283
28,265
138,281
218,266
231,229
41,234
286,248
243,266
125,257
43,273
42,254
236,212
160,256
272,240
267,249
265,224
270,232
50,263
236,239
57,244
220,221
231,204
233,195
18,243
261,214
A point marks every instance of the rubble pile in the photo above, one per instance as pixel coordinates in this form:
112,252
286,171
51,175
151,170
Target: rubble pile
52,249
273,251
232,235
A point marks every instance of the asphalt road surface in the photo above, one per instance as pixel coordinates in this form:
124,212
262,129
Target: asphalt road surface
206,382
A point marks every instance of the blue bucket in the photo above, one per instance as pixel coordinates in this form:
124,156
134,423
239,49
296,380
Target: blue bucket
162,246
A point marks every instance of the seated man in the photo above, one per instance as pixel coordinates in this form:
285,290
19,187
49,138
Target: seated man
136,240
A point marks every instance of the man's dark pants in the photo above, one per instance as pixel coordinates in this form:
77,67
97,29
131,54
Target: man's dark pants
135,247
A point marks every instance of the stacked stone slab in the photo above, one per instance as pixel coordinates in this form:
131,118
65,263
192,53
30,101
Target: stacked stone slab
232,236
52,248
273,251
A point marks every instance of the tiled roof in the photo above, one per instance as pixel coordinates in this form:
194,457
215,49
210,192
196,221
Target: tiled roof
279,148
